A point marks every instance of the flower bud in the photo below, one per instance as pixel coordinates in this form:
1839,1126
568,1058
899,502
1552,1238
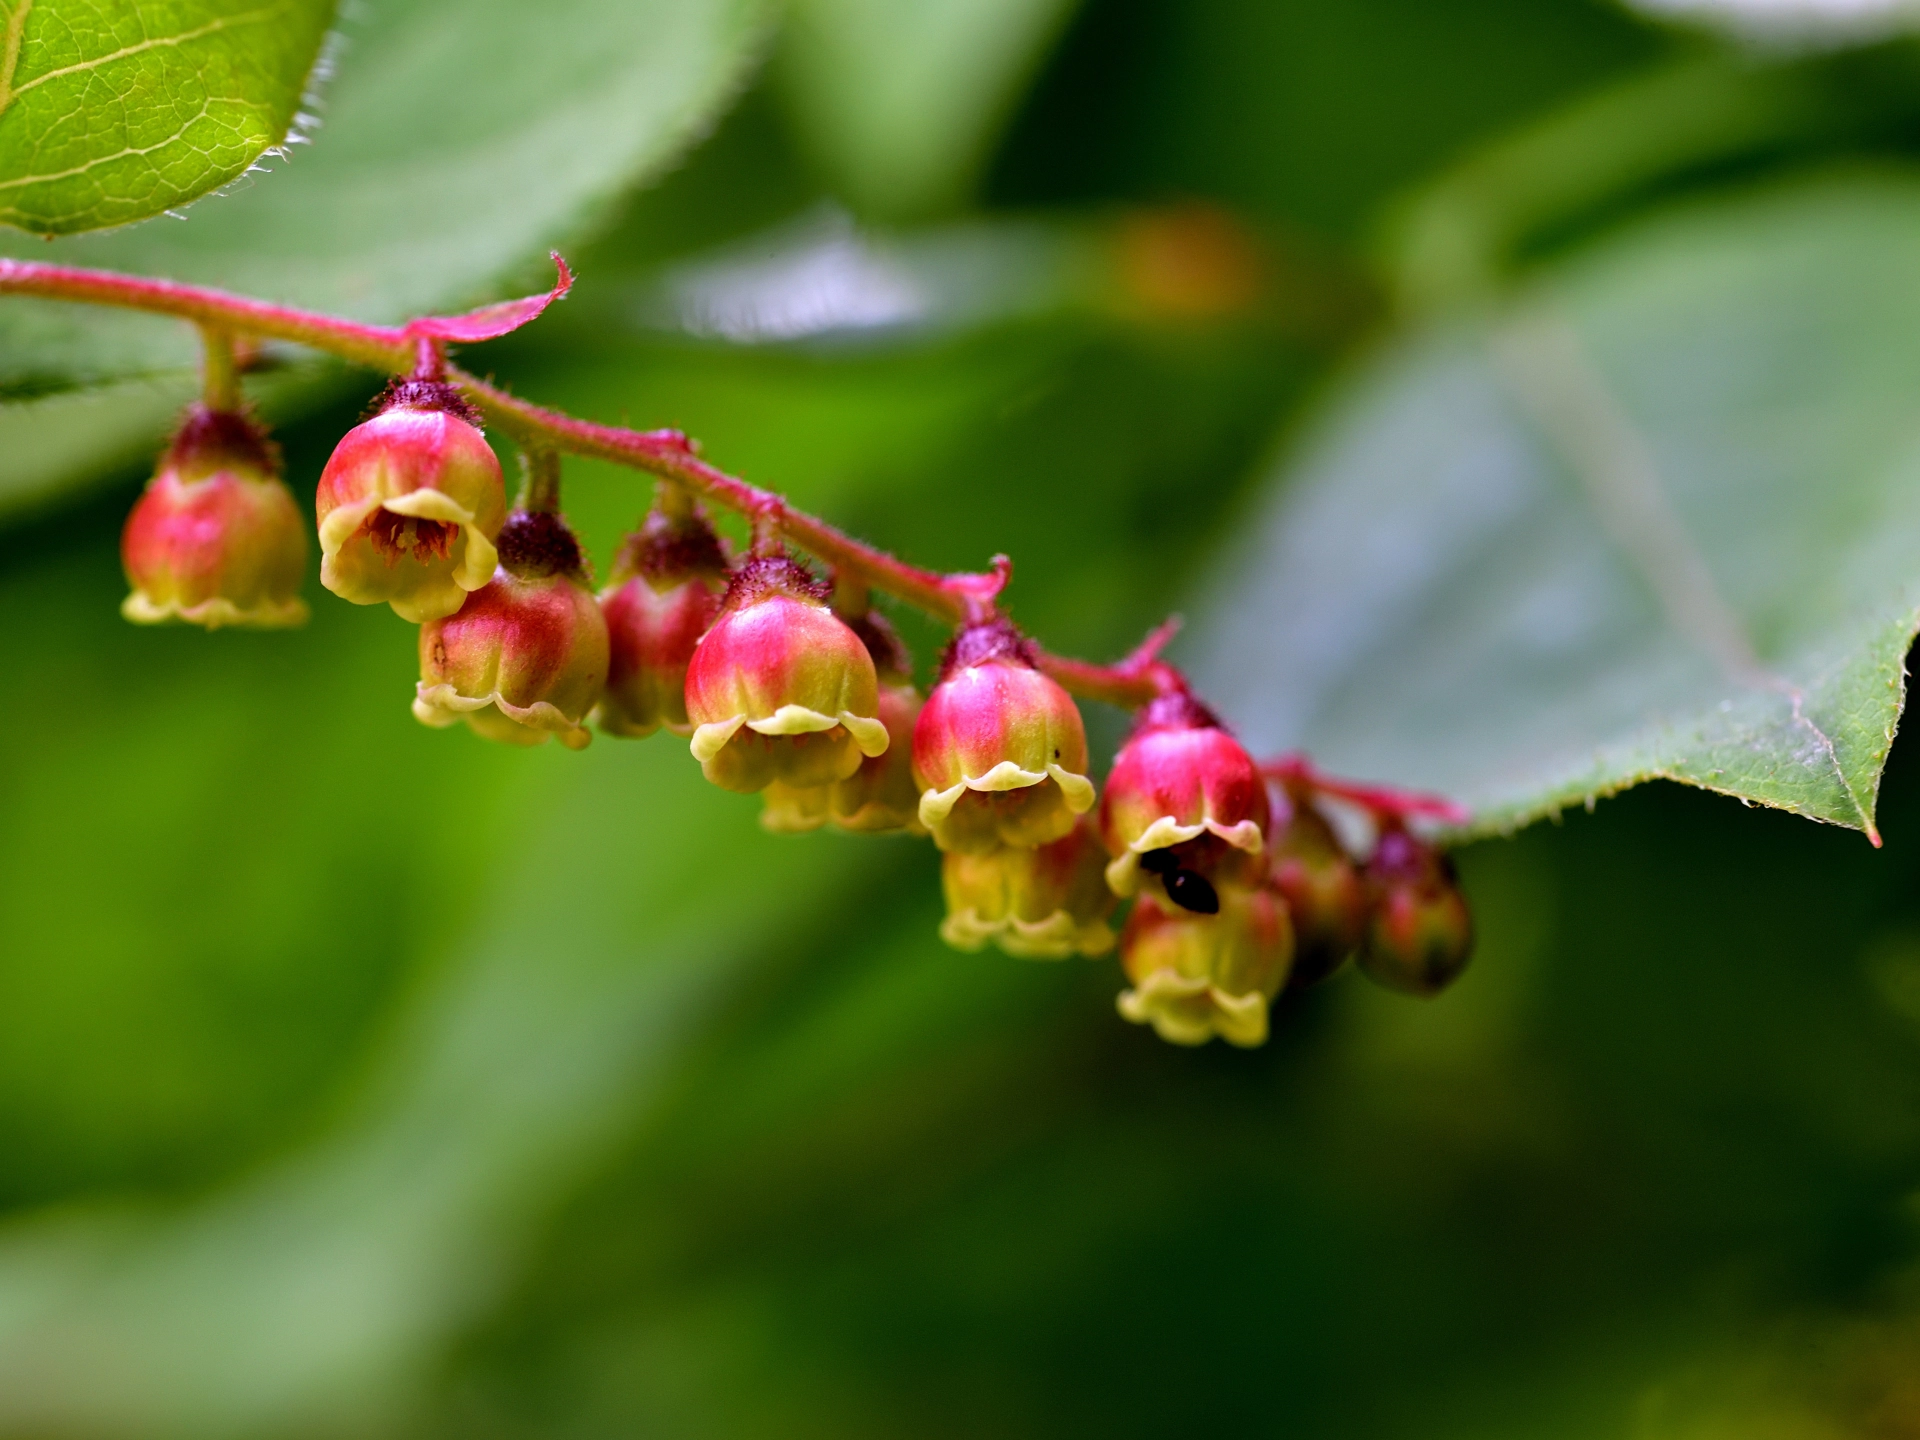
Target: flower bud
1325,896
1043,903
410,504
667,582
1419,932
999,751
779,688
526,656
1197,976
1184,799
216,539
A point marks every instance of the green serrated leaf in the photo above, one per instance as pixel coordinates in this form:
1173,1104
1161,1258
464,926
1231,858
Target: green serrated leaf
115,110
1659,520
460,141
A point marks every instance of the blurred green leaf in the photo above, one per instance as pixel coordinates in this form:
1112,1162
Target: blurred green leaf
898,101
1297,109
1659,519
461,140
115,110
1628,146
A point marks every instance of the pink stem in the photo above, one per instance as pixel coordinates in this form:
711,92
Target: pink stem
1385,802
1141,677
670,454
380,346
666,453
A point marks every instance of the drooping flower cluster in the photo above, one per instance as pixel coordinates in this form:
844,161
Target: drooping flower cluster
793,689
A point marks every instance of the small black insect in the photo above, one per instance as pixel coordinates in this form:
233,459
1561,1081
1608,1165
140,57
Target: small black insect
1192,891
1159,862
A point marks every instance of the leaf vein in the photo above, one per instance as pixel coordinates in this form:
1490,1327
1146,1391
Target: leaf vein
10,55
1539,357
212,27
126,153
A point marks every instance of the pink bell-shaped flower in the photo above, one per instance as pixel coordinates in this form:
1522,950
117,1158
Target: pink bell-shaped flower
526,656
1000,750
1041,903
410,503
881,797
779,688
1196,976
216,538
668,580
1184,798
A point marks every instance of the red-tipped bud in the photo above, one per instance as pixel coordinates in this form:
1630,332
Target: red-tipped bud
1323,890
1419,932
1044,903
779,688
526,656
1184,797
217,538
1196,976
1000,751
668,580
410,505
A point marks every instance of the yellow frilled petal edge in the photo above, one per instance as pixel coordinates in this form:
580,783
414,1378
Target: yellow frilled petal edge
794,809
217,612
1055,938
1188,1011
869,735
614,723
1076,790
477,560
441,706
797,809
1123,874
878,818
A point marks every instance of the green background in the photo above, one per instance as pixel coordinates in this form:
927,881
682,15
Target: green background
362,1079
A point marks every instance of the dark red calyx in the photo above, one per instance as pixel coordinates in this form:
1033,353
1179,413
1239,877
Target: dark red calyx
536,543
210,440
890,654
760,577
425,395
1175,710
986,640
667,549
1398,858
